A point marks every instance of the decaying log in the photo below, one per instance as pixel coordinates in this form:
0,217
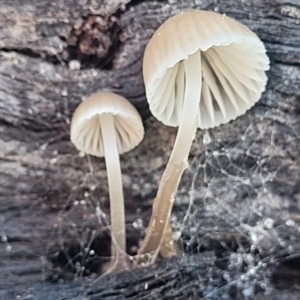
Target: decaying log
237,214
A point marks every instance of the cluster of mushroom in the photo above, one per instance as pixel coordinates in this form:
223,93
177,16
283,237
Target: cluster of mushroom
201,69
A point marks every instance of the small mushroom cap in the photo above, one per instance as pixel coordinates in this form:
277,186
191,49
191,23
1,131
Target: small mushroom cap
86,127
233,61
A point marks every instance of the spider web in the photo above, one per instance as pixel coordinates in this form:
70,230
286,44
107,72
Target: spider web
244,190
239,197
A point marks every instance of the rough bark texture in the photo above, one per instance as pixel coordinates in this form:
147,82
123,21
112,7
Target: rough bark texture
237,209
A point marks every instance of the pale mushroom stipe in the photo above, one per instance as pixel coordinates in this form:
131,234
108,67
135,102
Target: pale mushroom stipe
106,125
201,69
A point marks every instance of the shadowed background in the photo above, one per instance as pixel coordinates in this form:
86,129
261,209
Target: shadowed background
237,211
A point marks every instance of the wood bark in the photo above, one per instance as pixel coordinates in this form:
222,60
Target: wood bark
237,209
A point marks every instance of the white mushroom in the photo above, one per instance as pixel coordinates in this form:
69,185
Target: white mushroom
106,125
201,69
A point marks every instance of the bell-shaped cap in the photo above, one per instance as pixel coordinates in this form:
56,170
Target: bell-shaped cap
86,126
233,62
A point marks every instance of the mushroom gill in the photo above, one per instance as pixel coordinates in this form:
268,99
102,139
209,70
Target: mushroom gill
231,83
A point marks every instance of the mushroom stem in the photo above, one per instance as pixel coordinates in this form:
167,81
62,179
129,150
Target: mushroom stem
117,213
162,207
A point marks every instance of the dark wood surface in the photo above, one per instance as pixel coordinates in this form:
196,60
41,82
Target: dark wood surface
238,204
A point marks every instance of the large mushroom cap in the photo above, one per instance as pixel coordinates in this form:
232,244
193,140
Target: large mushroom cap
85,127
233,62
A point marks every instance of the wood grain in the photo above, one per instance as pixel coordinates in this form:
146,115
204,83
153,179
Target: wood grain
245,180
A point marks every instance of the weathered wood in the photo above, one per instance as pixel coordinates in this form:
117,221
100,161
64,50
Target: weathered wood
242,189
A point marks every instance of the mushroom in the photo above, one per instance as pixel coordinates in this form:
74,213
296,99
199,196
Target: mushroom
201,69
106,125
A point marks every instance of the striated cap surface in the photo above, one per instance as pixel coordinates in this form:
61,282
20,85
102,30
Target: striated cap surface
233,61
86,128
